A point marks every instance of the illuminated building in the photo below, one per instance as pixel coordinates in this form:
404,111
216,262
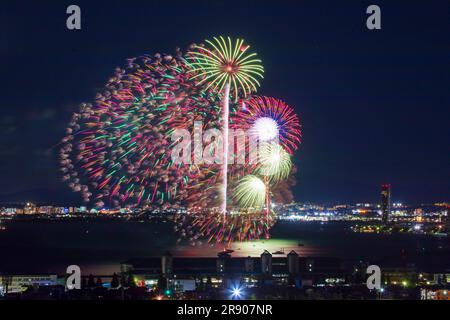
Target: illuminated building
10,211
19,283
431,293
385,202
72,210
447,218
29,208
419,214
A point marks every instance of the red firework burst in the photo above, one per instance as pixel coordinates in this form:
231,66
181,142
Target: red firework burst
265,110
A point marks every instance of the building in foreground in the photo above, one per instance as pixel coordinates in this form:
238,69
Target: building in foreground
18,283
224,271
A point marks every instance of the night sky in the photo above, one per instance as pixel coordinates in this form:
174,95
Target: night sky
375,105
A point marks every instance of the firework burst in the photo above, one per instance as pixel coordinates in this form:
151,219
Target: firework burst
224,62
118,149
274,162
228,68
250,192
270,119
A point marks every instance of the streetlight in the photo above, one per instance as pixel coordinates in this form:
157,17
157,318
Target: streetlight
236,292
380,293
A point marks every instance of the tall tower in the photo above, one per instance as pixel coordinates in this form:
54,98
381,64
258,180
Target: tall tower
447,218
249,265
266,263
385,202
292,259
167,264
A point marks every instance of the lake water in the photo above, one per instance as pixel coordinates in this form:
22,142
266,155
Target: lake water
99,246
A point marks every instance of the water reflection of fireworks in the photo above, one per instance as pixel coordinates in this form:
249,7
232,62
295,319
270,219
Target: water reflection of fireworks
215,227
